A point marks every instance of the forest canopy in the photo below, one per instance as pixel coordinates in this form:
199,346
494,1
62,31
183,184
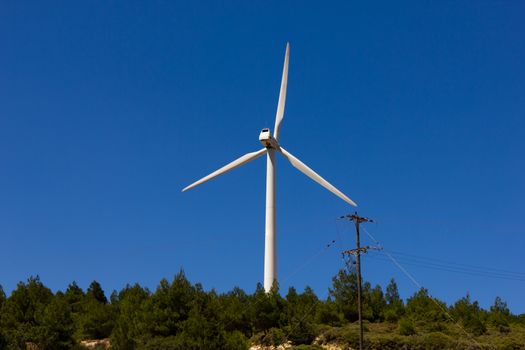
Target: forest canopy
182,315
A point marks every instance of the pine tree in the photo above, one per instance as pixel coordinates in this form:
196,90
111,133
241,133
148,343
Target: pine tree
469,314
394,308
500,315
344,294
96,292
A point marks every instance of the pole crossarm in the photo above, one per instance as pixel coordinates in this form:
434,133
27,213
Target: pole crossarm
356,218
360,250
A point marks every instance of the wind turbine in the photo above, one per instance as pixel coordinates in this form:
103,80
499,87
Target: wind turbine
272,146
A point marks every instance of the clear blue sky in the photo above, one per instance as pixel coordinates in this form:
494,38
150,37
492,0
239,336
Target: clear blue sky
108,109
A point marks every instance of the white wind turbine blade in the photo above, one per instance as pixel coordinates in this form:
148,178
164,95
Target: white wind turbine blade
314,176
236,163
282,94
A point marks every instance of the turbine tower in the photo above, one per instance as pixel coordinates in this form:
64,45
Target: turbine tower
271,147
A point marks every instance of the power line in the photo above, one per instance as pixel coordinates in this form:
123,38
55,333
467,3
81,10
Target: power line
384,257
462,265
439,264
443,309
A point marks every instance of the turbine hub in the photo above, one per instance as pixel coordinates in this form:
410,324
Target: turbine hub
267,139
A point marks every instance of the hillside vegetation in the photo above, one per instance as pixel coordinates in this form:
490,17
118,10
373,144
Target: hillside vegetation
180,315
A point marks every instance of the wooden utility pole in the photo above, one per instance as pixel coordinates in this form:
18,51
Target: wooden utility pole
357,252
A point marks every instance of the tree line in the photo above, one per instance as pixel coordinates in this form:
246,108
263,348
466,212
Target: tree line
182,315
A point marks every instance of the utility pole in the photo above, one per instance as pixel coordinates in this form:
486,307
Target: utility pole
357,252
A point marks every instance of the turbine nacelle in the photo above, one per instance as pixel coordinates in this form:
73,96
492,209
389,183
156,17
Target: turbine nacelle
267,139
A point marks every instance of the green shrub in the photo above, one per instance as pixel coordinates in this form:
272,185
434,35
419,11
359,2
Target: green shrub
386,343
437,341
306,347
330,335
406,327
163,343
350,337
236,341
327,314
433,326
510,345
301,332
391,315
339,335
475,326
273,337
257,338
504,329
